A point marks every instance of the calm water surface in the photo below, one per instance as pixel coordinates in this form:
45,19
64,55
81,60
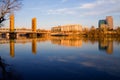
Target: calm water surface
60,58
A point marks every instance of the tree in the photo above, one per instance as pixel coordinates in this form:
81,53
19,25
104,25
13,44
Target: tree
7,7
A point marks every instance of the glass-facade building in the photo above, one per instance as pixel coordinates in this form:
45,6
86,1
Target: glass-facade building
102,22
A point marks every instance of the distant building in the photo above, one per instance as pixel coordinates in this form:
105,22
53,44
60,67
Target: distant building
109,21
67,28
106,23
101,22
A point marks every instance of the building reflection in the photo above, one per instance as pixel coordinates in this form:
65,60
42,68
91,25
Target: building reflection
106,45
34,46
12,48
68,42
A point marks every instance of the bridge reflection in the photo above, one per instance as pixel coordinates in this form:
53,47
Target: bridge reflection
105,44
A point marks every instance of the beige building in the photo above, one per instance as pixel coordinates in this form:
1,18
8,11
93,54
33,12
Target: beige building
67,28
109,21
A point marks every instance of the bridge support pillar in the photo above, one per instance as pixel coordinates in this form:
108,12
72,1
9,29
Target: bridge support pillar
17,35
32,35
12,35
7,35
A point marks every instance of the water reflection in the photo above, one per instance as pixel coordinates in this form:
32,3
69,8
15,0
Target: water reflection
7,72
12,48
61,58
67,41
34,46
105,44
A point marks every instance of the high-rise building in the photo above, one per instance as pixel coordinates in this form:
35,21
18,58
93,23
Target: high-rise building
109,21
101,22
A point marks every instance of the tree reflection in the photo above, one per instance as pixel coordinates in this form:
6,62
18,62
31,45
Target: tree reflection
6,72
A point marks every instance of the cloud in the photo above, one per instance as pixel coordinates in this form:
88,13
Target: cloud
61,11
87,5
98,7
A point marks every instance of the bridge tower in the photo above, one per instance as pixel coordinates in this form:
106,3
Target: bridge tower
12,23
12,34
34,24
33,34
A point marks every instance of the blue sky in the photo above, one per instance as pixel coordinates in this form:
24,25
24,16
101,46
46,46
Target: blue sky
50,13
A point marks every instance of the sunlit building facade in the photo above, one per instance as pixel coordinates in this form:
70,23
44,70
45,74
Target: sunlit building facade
67,28
109,21
106,23
101,22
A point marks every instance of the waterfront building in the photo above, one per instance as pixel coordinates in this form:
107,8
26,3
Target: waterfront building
67,28
109,21
106,23
101,22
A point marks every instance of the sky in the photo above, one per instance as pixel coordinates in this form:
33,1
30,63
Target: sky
51,13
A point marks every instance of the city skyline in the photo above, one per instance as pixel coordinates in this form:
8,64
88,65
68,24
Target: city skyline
60,12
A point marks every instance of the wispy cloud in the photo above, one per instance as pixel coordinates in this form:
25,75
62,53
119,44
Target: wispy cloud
97,7
62,11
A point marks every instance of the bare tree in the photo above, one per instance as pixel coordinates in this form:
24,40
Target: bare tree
7,7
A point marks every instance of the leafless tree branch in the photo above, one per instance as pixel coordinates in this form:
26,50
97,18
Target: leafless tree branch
7,7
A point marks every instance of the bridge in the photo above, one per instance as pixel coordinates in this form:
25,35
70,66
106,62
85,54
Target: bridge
23,31
15,32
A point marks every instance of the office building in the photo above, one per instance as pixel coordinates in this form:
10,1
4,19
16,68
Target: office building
101,22
109,21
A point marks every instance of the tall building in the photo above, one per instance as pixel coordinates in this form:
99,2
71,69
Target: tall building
12,23
109,21
101,22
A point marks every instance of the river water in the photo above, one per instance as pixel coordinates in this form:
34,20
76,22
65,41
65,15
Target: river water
60,58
